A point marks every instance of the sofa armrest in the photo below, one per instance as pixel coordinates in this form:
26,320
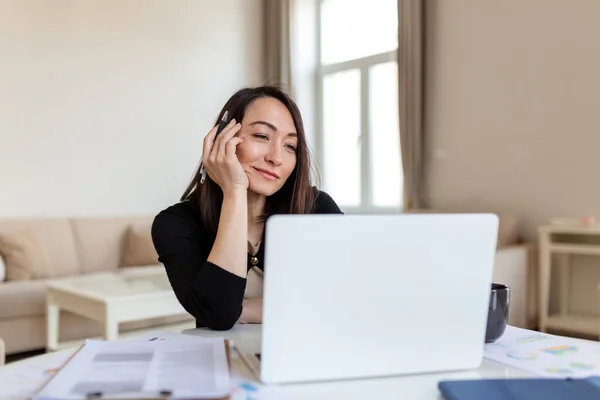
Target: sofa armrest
2,352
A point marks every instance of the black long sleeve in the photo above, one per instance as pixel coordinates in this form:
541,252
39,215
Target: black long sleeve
209,293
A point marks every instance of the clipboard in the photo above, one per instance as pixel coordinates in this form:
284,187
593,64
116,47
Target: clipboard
158,396
521,389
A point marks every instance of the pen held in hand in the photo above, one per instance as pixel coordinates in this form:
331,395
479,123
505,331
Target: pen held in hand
222,125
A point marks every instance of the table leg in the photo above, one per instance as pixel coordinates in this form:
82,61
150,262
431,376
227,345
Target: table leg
111,331
111,326
565,285
52,324
598,320
544,279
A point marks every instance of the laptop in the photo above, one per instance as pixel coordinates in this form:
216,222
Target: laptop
359,296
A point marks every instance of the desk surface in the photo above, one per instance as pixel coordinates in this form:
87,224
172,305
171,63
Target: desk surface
418,387
415,387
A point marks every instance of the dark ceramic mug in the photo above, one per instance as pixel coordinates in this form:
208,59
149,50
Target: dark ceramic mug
497,312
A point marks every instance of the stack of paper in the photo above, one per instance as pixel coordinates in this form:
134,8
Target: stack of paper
546,355
150,369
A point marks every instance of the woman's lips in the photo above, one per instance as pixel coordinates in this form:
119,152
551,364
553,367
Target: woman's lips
271,176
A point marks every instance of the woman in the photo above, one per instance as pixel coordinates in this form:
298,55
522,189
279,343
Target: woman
211,242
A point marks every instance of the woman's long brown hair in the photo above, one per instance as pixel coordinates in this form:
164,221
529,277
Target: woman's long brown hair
297,196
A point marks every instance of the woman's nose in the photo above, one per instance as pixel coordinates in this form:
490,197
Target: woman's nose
274,155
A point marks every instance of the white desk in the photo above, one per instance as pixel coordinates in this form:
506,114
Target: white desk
417,387
23,381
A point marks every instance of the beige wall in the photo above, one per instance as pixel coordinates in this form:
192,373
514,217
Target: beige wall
513,113
104,103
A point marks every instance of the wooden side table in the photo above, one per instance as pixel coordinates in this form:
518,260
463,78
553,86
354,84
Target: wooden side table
563,240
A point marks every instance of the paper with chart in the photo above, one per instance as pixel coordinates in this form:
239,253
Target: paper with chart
125,369
545,355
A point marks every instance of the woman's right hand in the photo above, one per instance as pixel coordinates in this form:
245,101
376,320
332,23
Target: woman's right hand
220,159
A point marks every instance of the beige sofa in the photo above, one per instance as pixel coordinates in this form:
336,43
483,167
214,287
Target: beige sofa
57,247
513,266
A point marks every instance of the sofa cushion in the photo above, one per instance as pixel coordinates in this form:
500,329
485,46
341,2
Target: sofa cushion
100,241
25,258
54,236
139,248
22,298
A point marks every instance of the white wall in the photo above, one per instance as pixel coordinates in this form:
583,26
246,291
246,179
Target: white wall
104,104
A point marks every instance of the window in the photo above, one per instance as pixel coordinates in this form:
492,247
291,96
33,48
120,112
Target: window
358,111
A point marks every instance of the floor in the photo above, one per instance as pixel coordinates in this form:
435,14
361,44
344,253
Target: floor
21,356
130,334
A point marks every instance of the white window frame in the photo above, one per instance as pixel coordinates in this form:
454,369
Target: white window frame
363,65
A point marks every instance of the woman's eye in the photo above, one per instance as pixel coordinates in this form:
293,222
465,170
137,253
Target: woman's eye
260,136
291,147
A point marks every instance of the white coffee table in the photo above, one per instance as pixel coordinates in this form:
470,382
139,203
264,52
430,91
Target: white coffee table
131,294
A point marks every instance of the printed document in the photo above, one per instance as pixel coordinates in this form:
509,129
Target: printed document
122,370
545,355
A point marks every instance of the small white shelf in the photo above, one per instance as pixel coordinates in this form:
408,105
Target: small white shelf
572,248
550,244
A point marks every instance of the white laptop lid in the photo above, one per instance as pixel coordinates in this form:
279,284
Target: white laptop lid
350,296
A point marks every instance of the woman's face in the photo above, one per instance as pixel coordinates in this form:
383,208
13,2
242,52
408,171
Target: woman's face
268,152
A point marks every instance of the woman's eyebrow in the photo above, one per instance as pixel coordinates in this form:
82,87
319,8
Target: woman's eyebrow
272,127
265,123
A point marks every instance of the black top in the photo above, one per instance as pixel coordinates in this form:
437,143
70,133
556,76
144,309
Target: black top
209,293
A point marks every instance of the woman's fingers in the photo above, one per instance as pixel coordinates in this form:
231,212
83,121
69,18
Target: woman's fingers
213,132
231,146
230,131
215,144
208,142
226,138
220,137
